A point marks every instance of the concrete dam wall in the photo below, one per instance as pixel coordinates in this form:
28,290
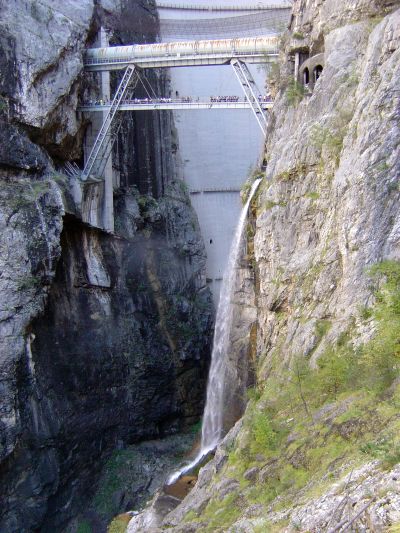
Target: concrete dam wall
218,150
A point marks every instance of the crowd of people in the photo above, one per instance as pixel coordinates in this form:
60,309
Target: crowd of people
261,98
182,100
224,98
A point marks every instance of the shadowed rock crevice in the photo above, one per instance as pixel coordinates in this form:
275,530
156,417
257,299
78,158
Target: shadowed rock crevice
102,372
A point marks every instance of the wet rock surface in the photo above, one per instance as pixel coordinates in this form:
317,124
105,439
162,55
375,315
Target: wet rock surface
18,152
31,224
156,519
131,477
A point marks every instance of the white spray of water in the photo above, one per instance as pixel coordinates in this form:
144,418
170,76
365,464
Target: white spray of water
212,427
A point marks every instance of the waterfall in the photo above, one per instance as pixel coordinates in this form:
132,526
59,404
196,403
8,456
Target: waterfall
212,427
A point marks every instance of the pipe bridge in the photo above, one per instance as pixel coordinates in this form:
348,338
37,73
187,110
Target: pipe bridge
183,54
234,52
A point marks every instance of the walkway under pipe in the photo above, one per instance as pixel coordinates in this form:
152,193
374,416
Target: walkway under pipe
154,106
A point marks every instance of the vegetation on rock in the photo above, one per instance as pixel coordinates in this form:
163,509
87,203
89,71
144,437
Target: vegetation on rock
305,428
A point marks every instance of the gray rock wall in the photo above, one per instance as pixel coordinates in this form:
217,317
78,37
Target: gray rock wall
104,338
117,356
328,207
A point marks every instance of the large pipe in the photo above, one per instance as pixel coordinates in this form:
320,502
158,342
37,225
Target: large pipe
256,45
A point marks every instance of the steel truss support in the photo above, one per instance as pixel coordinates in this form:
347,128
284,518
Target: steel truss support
251,92
102,146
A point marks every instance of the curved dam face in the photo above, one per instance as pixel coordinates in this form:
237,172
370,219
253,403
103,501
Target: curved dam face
220,149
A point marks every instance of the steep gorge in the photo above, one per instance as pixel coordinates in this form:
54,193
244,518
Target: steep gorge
318,446
105,337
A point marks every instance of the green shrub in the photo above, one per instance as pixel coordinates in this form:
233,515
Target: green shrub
295,92
373,366
196,428
112,480
246,187
308,426
385,448
365,312
30,193
322,327
263,432
374,21
381,356
184,187
119,524
3,104
219,514
190,517
392,458
28,282
39,188
312,195
332,139
61,179
274,74
333,373
253,393
353,79
293,477
395,528
145,203
84,527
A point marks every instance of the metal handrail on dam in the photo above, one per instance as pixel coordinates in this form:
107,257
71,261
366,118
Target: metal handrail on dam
259,6
248,24
187,53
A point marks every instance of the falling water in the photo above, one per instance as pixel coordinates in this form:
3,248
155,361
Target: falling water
212,427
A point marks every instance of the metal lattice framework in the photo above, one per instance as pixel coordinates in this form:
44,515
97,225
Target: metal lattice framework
235,52
102,146
251,92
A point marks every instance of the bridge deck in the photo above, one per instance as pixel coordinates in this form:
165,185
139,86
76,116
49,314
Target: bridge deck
156,105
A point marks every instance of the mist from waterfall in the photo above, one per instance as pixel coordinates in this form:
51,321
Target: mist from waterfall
212,426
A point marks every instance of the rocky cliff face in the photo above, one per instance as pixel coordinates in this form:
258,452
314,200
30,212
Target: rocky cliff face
330,193
104,338
317,445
